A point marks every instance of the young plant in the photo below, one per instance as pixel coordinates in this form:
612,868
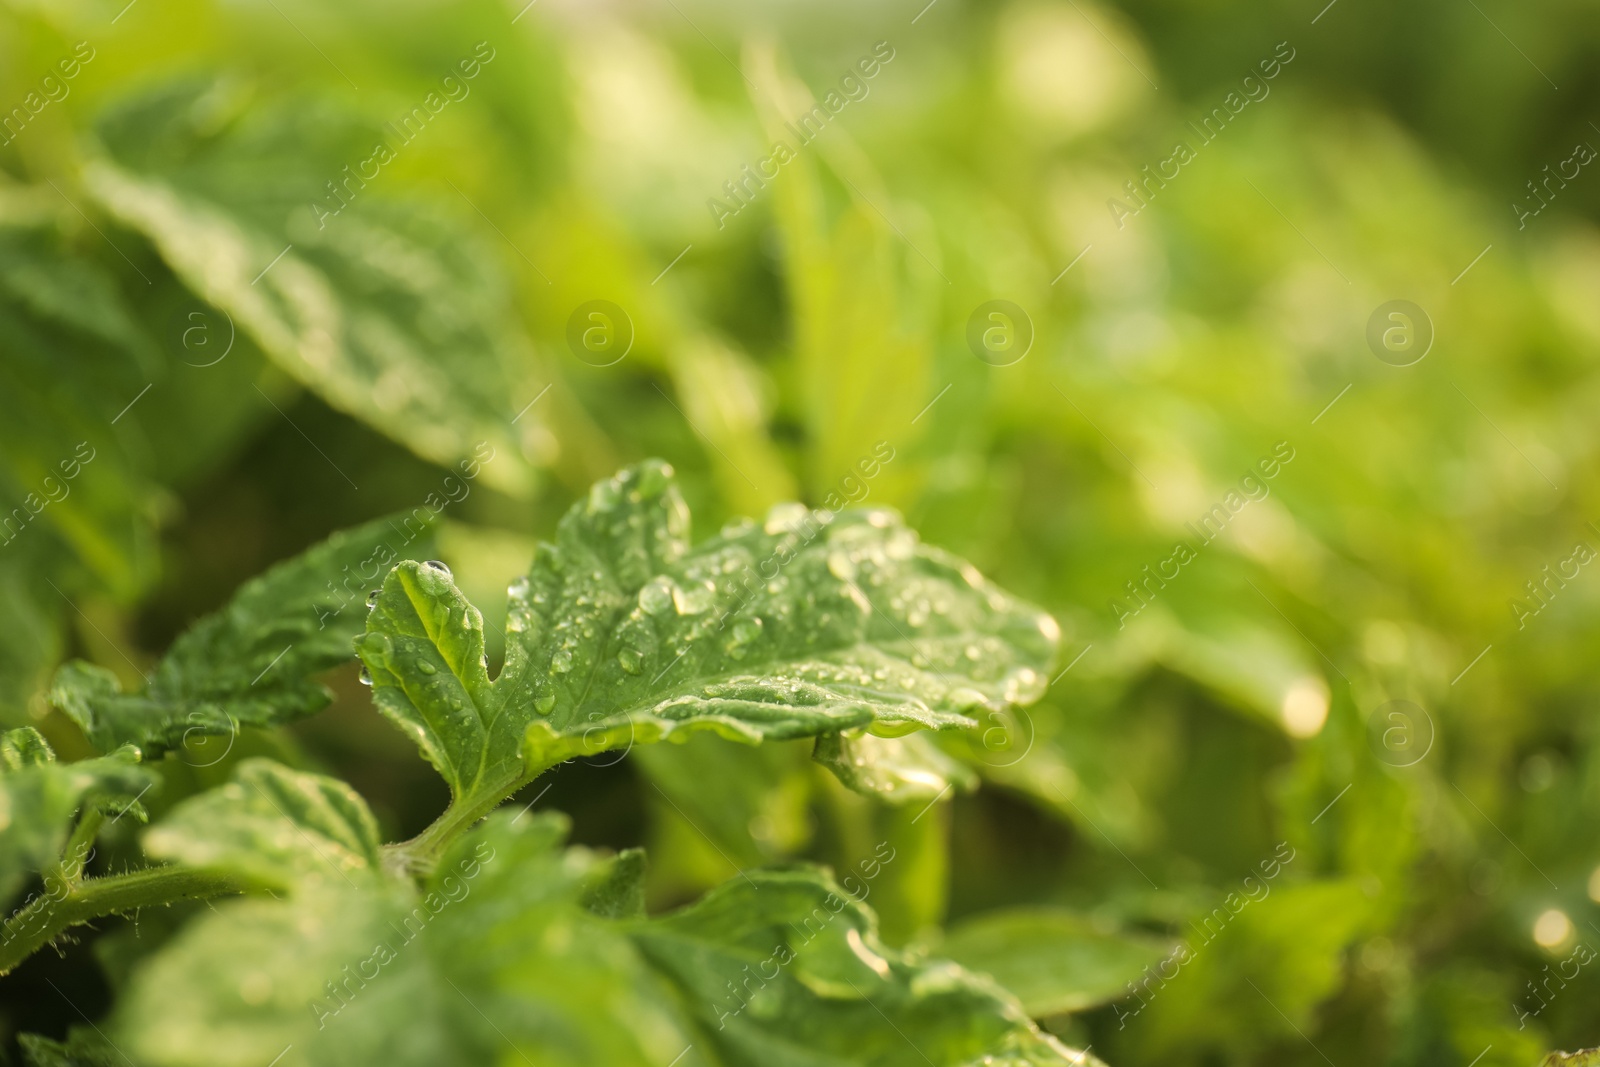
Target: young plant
484,938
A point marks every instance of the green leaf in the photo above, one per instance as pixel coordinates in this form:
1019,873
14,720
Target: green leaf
253,662
1587,1057
900,770
1290,943
238,985
83,1048
495,960
777,961
616,890
388,314
274,827
24,747
807,624
1053,959
724,396
73,510
861,293
498,959
38,797
30,635
71,356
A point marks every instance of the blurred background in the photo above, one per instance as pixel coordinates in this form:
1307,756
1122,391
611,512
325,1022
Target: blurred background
1256,342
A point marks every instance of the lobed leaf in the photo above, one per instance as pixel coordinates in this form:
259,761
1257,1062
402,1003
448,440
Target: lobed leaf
274,826
810,623
494,960
775,962
253,662
501,957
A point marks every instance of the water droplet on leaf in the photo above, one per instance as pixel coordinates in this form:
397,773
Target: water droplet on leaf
693,599
746,630
656,596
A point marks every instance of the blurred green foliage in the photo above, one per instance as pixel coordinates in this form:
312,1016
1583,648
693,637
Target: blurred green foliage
229,372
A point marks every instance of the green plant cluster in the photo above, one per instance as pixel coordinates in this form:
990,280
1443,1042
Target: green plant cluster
297,339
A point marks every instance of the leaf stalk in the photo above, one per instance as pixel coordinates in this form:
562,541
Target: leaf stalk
78,902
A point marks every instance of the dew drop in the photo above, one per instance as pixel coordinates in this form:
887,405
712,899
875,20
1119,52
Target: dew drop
372,598
425,667
656,596
630,660
561,662
438,566
693,599
544,704
366,676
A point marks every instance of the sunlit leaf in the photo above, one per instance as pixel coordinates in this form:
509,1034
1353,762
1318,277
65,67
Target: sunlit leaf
387,313
272,826
809,623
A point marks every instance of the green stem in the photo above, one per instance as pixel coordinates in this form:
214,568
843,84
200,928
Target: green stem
43,920
420,855
75,857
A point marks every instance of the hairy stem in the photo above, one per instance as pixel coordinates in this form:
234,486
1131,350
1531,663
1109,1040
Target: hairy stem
77,902
420,855
80,846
